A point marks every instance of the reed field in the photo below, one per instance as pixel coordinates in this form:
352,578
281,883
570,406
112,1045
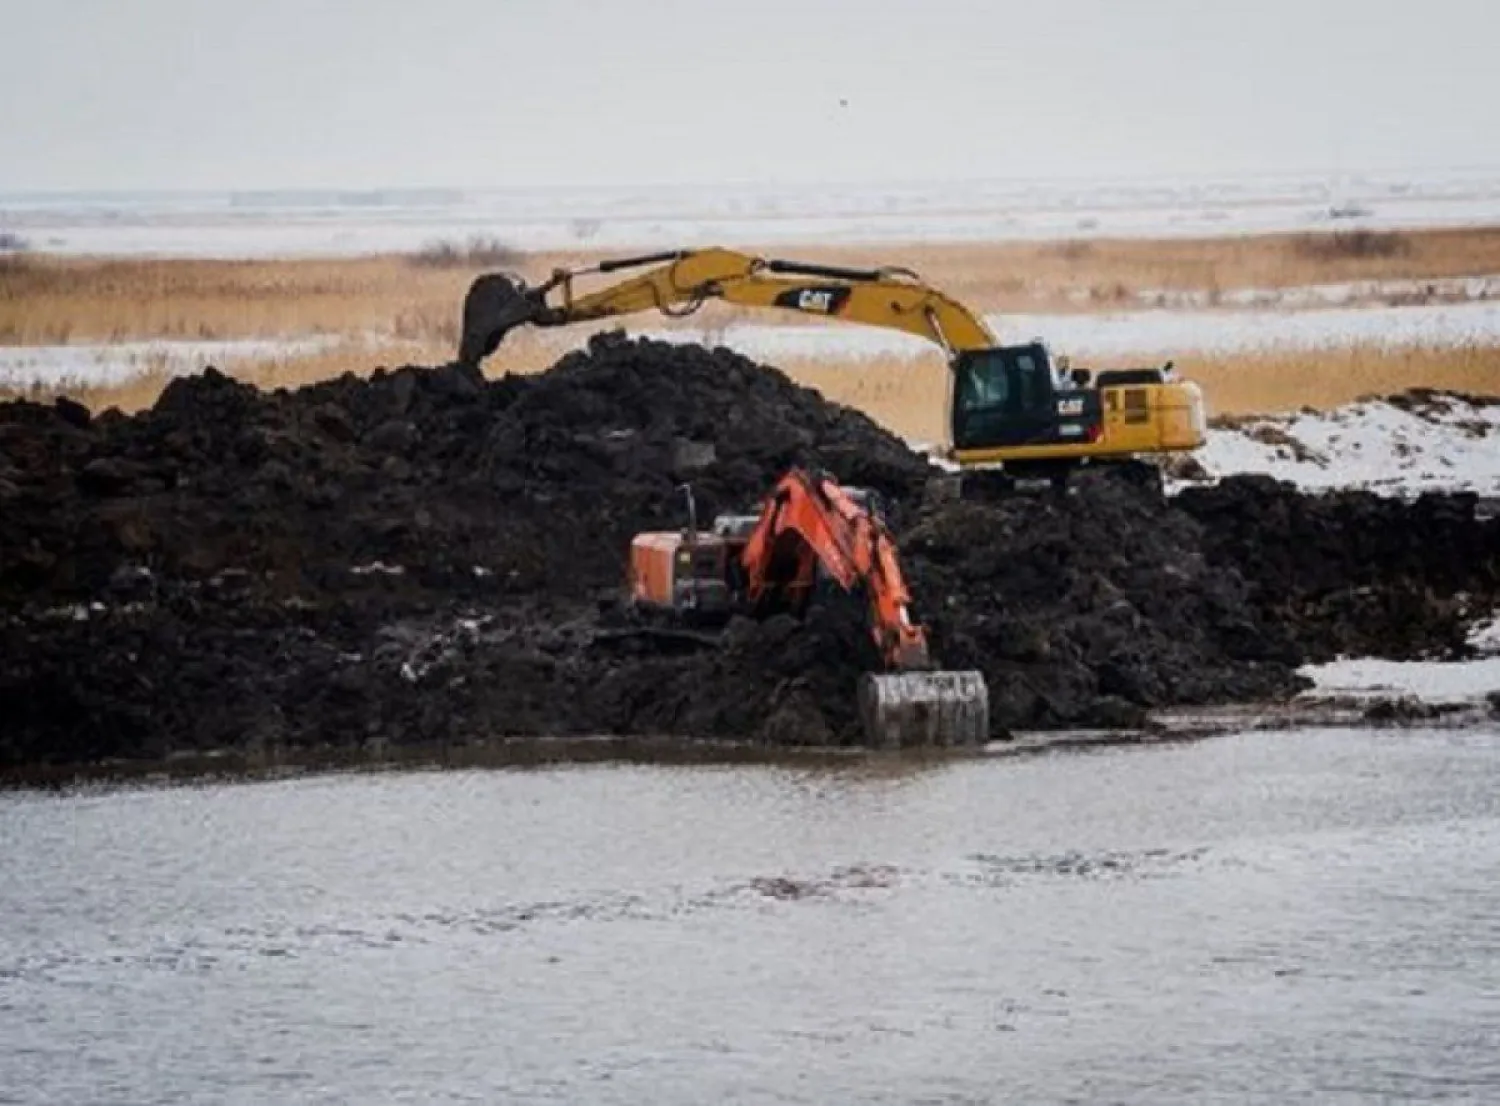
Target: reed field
910,398
50,300
404,309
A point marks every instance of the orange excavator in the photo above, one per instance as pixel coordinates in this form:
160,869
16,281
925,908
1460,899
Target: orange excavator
810,530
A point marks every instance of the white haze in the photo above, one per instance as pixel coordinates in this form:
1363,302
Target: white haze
96,94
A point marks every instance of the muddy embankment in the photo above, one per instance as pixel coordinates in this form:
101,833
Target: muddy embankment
420,557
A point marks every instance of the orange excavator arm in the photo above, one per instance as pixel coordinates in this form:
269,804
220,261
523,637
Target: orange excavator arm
809,521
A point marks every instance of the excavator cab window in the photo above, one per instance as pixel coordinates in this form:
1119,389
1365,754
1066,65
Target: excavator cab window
1015,378
997,390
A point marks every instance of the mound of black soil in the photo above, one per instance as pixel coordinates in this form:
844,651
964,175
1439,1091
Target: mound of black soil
536,481
419,556
1355,573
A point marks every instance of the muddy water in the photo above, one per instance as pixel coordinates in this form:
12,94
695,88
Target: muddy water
1308,916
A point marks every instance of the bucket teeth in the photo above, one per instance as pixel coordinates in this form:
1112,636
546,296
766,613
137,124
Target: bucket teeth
901,710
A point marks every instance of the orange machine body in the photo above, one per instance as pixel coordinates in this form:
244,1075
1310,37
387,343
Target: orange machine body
684,571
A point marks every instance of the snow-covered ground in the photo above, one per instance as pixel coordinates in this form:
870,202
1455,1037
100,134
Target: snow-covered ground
1428,681
1446,444
1391,293
292,223
1175,332
1151,333
115,363
1442,444
1486,637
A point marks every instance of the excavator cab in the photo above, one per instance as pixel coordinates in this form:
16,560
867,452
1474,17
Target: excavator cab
1012,396
1013,406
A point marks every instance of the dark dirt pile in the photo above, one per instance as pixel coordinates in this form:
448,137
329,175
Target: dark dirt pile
1353,573
419,557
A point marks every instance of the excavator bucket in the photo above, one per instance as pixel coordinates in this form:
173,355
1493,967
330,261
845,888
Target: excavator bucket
495,305
905,709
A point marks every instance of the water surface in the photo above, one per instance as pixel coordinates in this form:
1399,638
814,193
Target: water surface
1306,916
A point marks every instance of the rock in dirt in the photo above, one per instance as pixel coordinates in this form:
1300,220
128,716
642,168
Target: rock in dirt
108,476
418,557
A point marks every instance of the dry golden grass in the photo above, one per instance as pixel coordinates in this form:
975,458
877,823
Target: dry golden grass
1266,383
45,301
910,396
1090,275
48,300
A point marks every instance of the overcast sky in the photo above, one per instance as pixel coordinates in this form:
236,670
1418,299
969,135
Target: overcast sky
101,94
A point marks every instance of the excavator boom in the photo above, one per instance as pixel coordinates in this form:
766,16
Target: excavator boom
809,522
678,283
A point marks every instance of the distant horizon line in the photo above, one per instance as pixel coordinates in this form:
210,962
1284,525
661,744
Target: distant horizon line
867,183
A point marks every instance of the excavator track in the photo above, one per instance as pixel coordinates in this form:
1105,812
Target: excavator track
901,710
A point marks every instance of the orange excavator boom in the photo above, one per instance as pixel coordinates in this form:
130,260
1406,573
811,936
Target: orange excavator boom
810,521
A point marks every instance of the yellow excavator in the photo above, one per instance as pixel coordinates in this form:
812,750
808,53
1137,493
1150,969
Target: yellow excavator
1010,407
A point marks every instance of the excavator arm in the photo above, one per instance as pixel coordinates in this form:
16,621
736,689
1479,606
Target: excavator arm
809,521
679,282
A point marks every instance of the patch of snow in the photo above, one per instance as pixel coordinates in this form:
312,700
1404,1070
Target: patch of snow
1372,444
378,568
1153,335
325,223
1485,636
1429,681
936,454
1170,334
85,365
1388,292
